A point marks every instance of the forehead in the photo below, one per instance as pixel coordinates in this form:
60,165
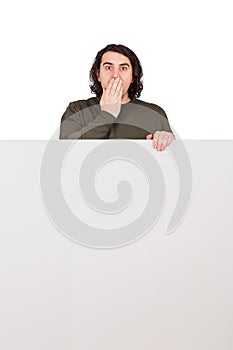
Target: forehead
115,58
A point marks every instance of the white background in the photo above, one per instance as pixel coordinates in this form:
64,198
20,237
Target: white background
48,47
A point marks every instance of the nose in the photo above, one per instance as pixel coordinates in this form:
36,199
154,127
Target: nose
115,73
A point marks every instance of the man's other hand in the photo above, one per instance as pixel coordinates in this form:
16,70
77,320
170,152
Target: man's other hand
161,139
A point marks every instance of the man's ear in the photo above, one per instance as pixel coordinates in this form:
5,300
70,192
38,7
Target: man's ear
98,74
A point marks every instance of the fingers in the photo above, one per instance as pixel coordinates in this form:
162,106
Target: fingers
159,141
109,87
162,139
114,87
119,90
111,98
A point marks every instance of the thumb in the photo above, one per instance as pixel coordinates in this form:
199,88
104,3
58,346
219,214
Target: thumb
149,137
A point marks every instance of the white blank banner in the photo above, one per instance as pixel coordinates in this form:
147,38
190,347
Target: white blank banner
162,291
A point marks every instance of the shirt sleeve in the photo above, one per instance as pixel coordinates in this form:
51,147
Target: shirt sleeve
74,125
165,124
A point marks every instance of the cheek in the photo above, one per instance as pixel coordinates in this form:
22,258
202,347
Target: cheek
103,81
103,78
128,81
128,78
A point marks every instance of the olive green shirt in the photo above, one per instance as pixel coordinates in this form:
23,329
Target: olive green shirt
84,119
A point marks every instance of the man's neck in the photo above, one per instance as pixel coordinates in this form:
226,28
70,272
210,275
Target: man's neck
125,99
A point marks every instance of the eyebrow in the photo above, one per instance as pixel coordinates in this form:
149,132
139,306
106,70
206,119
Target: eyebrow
111,64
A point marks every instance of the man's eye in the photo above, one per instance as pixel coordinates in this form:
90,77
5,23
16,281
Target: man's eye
124,68
108,67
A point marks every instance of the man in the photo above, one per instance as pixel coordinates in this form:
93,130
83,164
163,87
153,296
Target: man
116,111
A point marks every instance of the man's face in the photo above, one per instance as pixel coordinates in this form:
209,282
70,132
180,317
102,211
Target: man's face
115,65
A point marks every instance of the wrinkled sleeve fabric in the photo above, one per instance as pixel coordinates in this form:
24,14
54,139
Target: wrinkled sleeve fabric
155,117
165,124
92,123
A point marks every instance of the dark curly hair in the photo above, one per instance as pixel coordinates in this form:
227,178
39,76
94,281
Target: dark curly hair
136,86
